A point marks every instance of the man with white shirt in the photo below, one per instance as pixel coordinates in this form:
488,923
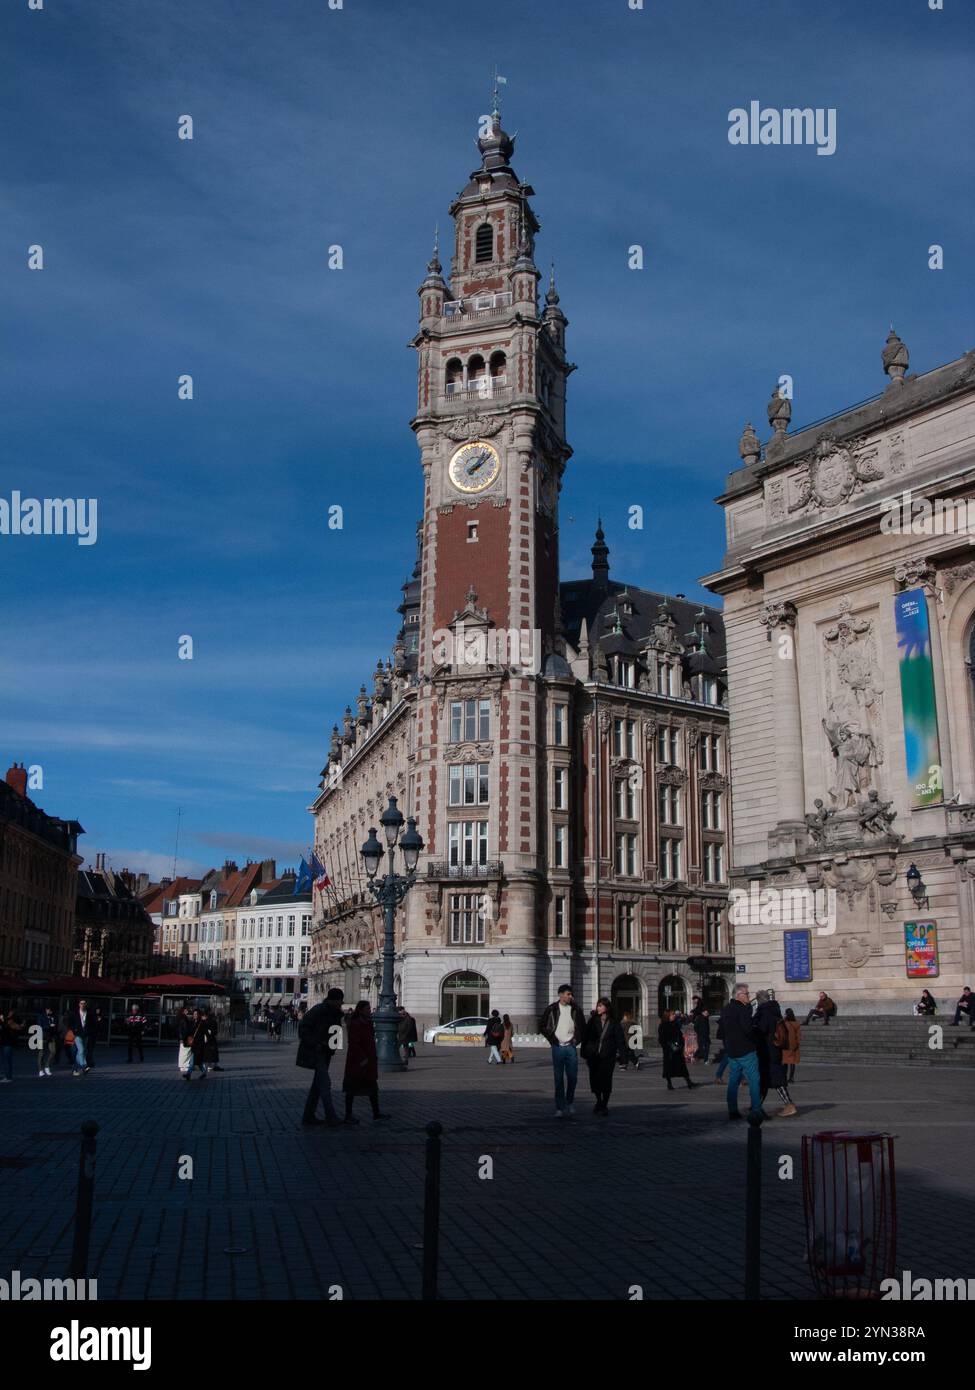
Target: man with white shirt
563,1025
82,1024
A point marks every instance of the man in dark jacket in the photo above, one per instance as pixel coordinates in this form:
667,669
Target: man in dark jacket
135,1027
701,1020
736,1031
965,1005
563,1025
47,1052
319,1038
81,1021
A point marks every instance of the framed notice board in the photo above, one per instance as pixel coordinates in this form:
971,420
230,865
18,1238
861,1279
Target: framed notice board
921,948
798,956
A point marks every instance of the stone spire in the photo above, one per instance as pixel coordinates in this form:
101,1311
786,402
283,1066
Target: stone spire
600,557
779,412
896,358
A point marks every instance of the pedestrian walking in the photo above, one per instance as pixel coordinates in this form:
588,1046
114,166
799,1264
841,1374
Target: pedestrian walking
406,1034
211,1047
824,1008
493,1036
773,1036
319,1038
701,1019
563,1026
790,1053
966,1006
47,1052
94,1034
361,1064
736,1031
80,1025
195,1039
135,1027
603,1046
670,1036
507,1051
10,1030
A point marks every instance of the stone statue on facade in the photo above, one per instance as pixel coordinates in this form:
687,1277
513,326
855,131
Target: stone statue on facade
816,822
876,816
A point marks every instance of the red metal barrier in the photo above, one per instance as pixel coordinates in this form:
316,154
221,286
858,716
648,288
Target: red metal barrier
851,1212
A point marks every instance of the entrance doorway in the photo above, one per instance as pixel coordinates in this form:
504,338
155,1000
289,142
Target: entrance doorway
464,995
672,994
715,994
627,998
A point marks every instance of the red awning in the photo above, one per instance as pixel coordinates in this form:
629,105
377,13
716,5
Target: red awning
81,985
173,984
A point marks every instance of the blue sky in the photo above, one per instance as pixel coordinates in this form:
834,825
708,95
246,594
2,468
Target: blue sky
315,126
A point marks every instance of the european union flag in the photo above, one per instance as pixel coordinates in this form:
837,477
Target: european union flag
303,882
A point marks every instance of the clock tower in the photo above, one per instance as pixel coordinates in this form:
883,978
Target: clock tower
490,425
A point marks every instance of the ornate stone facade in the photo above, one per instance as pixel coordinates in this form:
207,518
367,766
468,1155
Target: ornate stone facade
821,675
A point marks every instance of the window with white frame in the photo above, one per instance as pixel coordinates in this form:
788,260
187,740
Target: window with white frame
560,788
467,784
713,934
305,923
622,671
709,753
624,926
624,799
711,810
291,958
670,855
280,926
561,725
303,959
467,919
713,861
626,855
560,845
561,926
260,927
291,924
624,738
671,930
709,690
470,720
668,745
467,842
668,804
665,678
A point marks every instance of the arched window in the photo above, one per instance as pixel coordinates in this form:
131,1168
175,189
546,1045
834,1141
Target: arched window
455,376
499,364
476,368
464,995
484,243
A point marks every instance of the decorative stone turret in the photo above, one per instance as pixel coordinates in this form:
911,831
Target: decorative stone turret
433,291
779,411
600,558
896,358
748,446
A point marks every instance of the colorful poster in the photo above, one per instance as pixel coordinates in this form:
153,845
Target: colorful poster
920,712
921,945
798,956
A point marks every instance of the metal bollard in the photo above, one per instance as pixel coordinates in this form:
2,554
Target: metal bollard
431,1211
83,1202
753,1208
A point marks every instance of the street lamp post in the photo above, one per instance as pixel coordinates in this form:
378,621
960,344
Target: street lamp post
389,891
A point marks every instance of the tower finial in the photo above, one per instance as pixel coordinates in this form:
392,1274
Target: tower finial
499,81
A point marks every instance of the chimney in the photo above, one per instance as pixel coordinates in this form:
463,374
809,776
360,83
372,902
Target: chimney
17,778
100,862
165,882
267,870
229,867
142,884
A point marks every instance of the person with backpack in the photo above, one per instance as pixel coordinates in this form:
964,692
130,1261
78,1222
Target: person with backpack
772,1037
494,1036
790,1053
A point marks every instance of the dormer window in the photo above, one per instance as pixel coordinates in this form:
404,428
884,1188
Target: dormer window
213,900
484,244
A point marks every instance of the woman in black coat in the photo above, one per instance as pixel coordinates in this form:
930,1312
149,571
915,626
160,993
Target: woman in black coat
603,1045
670,1036
769,1025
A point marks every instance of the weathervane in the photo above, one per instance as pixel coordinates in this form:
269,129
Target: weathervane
499,81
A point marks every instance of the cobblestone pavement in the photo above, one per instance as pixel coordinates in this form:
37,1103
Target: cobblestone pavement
654,1194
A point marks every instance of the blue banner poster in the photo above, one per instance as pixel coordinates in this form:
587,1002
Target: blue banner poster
921,745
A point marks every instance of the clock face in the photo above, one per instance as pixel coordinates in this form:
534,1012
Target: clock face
474,466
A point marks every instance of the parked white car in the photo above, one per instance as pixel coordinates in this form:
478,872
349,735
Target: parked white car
451,1030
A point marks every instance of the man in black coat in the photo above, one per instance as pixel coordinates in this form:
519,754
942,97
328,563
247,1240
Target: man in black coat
135,1027
701,1020
563,1025
318,1041
81,1021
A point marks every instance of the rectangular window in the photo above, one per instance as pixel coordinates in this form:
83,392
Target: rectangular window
280,926
291,957
260,927
711,810
626,855
713,862
671,929
709,753
468,784
625,799
713,933
305,923
669,858
467,919
243,955
561,841
668,803
624,926
668,746
467,842
562,725
617,738
291,926
560,922
470,720
560,788
664,670
304,956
